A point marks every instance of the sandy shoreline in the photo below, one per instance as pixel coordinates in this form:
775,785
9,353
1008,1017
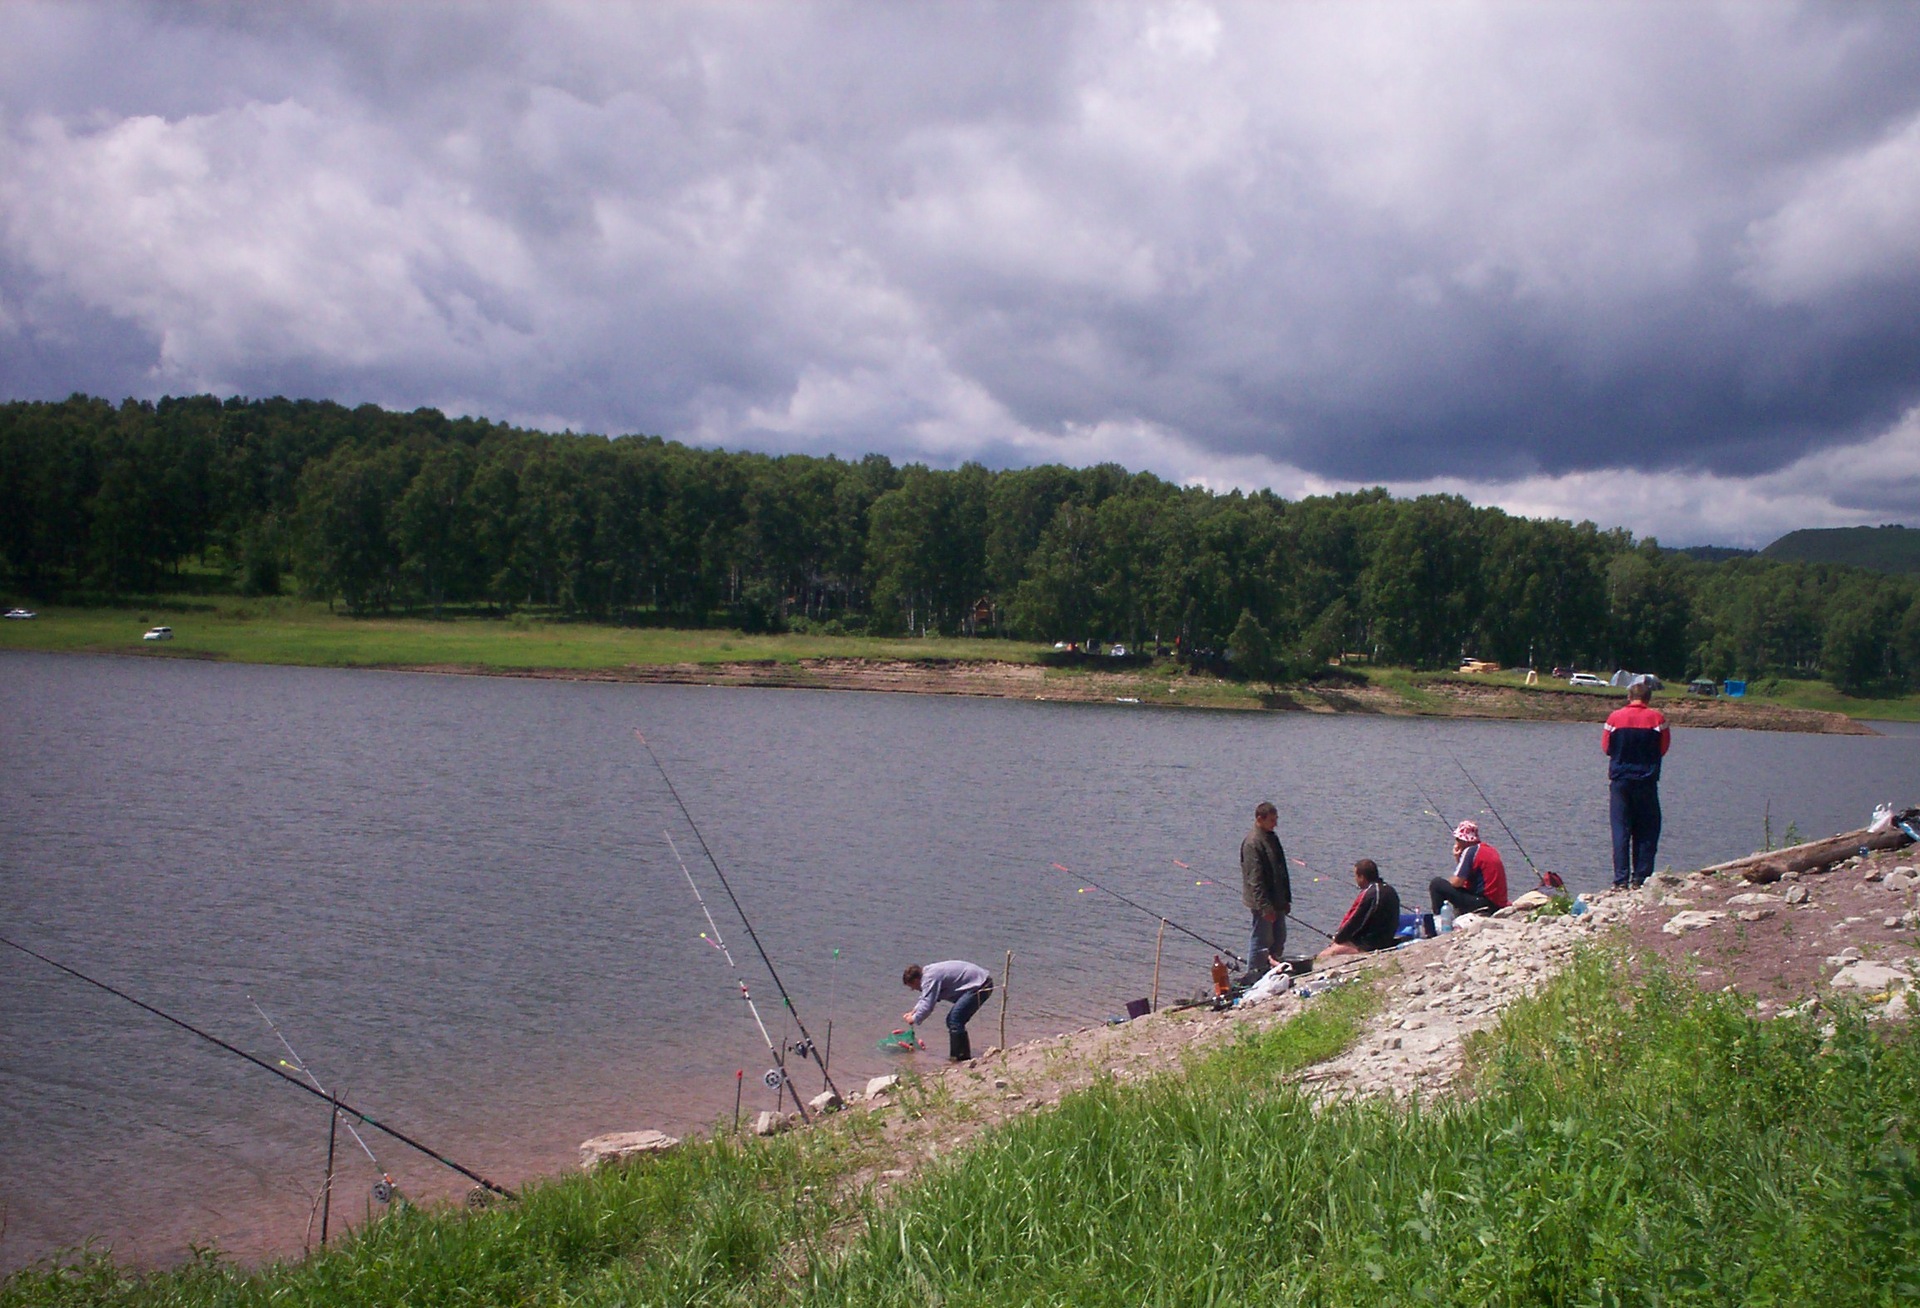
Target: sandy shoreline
1444,697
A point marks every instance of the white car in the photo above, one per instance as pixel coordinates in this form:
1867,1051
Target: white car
159,633
22,613
1118,652
1587,679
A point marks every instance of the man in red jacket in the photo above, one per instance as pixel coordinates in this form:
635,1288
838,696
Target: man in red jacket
1479,881
1635,740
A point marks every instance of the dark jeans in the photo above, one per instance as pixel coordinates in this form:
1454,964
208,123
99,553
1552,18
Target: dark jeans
1268,945
959,1047
1442,891
1634,807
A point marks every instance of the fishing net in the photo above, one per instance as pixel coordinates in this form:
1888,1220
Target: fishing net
904,1041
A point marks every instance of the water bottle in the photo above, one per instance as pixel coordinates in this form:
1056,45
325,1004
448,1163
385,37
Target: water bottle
1446,916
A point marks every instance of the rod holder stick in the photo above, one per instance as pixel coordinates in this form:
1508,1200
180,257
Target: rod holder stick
739,1082
326,1191
1006,993
1153,1004
827,1067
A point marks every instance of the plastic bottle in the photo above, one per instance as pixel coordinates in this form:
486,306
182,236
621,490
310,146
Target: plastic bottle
1221,978
1446,916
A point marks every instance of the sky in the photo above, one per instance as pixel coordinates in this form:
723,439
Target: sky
1653,265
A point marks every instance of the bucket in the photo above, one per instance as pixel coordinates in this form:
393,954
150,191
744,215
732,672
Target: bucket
1138,1008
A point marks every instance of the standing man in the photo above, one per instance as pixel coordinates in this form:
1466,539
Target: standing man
966,984
1479,881
1635,739
1266,890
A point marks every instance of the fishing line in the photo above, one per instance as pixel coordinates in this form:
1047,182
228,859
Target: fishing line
299,1065
1291,917
752,935
1158,917
1432,806
1496,815
719,942
339,1105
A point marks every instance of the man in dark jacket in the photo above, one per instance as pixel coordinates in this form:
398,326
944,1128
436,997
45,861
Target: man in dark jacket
1373,920
1635,739
1266,890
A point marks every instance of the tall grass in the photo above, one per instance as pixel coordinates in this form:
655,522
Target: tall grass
714,1222
1630,1141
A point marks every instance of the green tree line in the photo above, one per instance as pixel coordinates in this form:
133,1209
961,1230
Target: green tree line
380,511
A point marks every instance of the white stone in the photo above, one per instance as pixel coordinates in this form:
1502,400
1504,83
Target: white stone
769,1123
623,1144
1691,920
881,1084
1799,895
1754,897
1864,975
825,1102
1754,914
1899,881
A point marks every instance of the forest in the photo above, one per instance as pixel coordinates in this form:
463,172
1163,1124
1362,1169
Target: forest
380,511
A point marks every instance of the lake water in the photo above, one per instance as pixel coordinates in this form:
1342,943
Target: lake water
455,897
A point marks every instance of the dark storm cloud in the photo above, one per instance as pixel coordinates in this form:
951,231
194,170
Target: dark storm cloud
1509,247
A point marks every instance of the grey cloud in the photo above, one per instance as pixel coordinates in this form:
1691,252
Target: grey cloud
1387,242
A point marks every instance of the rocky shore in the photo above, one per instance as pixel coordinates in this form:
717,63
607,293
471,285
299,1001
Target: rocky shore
1849,927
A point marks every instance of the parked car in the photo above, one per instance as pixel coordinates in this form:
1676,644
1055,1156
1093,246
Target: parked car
22,613
1587,679
1118,651
159,633
1702,686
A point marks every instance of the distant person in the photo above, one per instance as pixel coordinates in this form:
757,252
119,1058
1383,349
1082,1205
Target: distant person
1635,739
966,985
1266,890
1479,880
1372,921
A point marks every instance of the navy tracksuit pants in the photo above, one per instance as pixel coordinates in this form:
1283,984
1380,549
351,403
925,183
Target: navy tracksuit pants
1635,809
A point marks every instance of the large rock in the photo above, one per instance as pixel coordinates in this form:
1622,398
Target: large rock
881,1084
1691,920
603,1149
1867,975
771,1123
825,1102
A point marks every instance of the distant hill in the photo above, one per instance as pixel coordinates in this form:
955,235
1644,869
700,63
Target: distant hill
1884,549
1715,553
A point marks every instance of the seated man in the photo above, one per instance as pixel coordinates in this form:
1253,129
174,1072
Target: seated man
1479,881
1373,919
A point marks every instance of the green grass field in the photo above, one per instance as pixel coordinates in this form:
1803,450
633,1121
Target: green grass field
288,631
1629,1140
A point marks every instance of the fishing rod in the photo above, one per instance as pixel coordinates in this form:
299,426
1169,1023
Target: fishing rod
1290,916
1159,917
339,1105
779,1055
1432,806
805,1038
383,1188
1496,816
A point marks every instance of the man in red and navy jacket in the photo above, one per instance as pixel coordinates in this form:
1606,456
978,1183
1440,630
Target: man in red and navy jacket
1635,739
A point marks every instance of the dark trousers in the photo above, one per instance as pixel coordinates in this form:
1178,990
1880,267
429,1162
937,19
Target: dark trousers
1634,807
959,1047
1442,891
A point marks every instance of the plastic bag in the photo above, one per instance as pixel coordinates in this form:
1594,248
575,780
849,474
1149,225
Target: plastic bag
1882,820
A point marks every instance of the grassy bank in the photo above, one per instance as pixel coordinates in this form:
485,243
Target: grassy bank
1631,1140
294,632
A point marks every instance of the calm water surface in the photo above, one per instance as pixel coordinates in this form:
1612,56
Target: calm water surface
456,898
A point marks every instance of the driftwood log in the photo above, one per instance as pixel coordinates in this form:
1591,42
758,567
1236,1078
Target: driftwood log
1763,869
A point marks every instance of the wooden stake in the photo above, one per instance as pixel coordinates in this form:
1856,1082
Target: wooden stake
1153,1004
1006,990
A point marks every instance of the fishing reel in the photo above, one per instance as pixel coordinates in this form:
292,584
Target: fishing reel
774,1079
801,1048
383,1191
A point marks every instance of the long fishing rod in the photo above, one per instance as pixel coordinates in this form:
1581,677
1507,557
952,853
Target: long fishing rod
752,935
1496,815
779,1055
1292,917
1432,806
383,1188
340,1105
1217,947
